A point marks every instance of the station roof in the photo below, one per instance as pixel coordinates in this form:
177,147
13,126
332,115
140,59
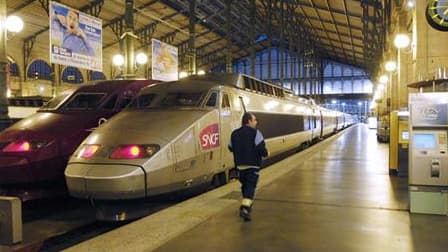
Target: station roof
348,31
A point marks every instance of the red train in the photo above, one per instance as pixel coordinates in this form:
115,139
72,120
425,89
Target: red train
34,151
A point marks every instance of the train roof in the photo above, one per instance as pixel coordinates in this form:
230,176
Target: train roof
241,81
112,85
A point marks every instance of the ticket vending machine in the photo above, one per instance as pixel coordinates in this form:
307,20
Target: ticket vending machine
428,153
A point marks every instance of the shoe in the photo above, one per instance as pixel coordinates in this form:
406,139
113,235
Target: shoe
245,213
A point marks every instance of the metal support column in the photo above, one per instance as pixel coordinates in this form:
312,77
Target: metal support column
293,71
191,39
298,72
128,38
291,53
306,73
269,17
253,12
3,63
281,50
292,60
28,45
321,71
228,36
54,71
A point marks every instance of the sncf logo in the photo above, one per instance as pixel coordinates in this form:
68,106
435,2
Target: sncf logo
209,137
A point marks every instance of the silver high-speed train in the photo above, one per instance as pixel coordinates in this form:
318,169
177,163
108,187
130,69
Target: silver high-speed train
174,136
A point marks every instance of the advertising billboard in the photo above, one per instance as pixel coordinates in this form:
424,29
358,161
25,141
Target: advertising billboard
75,38
164,61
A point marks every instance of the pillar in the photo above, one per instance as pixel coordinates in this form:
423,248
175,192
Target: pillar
3,63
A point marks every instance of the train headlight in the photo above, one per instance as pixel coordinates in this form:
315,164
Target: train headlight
134,151
24,146
88,150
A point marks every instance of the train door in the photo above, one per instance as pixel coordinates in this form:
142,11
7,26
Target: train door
310,126
317,124
321,123
210,144
336,127
197,151
309,123
225,117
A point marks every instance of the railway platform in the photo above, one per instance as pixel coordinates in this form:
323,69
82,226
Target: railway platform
334,196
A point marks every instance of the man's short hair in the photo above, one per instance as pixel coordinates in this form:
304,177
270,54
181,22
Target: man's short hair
246,118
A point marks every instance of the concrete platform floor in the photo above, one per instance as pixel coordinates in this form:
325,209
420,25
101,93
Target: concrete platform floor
340,198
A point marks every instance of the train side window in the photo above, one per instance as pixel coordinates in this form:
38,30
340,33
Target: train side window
252,85
270,90
266,88
211,102
246,83
84,101
225,101
110,105
143,101
280,92
124,102
259,87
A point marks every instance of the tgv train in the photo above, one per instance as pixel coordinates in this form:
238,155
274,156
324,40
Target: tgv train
34,151
174,136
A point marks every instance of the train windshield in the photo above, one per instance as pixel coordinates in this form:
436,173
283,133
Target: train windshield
167,100
84,101
56,101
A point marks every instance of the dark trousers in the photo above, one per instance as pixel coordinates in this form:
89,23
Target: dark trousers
249,180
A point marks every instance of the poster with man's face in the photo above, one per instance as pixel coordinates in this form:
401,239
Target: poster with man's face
75,38
164,61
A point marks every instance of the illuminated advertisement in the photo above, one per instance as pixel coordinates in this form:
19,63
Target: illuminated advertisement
164,61
75,38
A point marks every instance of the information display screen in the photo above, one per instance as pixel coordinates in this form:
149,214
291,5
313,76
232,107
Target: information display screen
424,141
405,135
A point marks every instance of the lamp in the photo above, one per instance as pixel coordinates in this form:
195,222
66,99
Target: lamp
141,58
390,66
14,24
118,60
384,79
402,41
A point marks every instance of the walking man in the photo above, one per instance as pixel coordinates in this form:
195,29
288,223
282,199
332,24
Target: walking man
248,147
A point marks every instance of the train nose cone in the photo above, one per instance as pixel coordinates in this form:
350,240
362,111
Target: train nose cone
105,181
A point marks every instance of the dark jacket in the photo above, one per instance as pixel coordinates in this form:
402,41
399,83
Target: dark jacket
248,147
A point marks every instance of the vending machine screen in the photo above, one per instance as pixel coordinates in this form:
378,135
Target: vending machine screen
424,141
